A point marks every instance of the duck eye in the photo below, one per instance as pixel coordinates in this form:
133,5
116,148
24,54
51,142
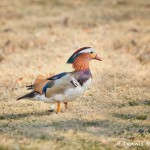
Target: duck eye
91,52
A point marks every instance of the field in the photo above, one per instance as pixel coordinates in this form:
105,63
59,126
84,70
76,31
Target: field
38,36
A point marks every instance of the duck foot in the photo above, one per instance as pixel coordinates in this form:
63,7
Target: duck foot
58,107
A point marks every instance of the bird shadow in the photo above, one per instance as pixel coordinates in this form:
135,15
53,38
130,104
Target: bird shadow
24,115
39,129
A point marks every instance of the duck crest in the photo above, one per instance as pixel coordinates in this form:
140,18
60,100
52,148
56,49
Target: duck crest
82,76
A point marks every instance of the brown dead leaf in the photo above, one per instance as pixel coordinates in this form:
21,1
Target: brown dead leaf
19,79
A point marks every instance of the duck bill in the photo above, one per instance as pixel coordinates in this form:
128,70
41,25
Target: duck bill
98,58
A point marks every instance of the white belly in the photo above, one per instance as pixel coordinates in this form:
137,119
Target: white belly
69,95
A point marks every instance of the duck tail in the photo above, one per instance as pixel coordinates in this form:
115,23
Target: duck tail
29,95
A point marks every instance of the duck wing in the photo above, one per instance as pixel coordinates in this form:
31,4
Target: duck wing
52,85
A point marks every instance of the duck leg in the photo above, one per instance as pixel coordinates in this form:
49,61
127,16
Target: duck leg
58,107
66,105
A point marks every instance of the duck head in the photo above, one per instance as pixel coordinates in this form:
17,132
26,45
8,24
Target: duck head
81,58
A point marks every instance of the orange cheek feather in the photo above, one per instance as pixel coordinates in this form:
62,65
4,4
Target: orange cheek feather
81,62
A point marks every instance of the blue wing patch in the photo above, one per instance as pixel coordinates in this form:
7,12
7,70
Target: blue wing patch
45,87
50,84
58,76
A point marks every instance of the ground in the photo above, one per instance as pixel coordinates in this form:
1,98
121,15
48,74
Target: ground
38,36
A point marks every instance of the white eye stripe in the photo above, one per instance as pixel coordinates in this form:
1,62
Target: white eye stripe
88,50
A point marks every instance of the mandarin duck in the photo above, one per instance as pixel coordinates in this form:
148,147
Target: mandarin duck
66,86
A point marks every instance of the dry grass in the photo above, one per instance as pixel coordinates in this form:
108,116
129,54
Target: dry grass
37,37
